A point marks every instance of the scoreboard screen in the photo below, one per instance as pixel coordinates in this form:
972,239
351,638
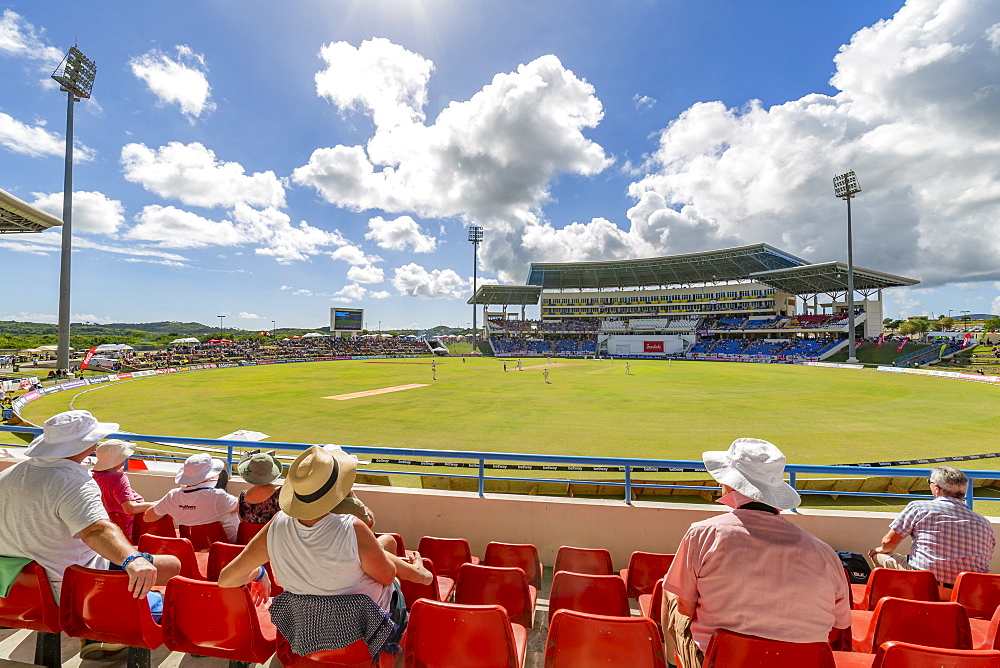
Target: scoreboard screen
347,319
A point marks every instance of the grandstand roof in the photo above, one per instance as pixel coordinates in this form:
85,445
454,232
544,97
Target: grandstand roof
828,277
507,295
19,216
728,264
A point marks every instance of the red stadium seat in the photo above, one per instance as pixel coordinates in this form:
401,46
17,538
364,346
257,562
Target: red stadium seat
516,555
507,587
440,588
203,535
446,635
204,619
979,594
97,605
651,604
986,634
581,640
161,527
589,561
644,569
219,556
914,585
30,605
727,649
355,655
193,564
448,554
894,654
246,531
400,548
929,623
595,594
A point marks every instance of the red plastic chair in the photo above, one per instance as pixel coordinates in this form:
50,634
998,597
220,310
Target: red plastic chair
31,605
97,605
516,555
979,594
728,649
589,561
894,654
448,554
986,634
580,640
219,556
203,535
247,530
914,585
650,605
440,588
924,622
507,587
355,655
644,569
202,618
594,594
161,527
445,635
193,564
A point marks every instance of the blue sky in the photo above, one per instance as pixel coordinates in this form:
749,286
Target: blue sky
268,161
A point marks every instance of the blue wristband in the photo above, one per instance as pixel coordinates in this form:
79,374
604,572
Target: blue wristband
261,576
128,560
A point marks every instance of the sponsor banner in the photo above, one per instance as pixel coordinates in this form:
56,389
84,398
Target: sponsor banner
652,346
834,365
87,358
124,376
902,343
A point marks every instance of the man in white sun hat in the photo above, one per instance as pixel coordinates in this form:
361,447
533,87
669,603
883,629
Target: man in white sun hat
52,513
197,501
751,570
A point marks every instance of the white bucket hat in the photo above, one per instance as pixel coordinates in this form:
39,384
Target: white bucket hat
68,434
754,468
112,453
199,468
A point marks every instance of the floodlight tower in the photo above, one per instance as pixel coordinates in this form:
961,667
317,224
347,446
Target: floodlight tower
75,75
476,237
846,187
221,328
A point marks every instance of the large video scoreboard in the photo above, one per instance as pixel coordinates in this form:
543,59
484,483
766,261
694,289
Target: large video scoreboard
347,320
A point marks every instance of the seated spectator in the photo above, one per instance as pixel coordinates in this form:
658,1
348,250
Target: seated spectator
198,501
751,571
948,536
259,503
120,500
53,515
339,580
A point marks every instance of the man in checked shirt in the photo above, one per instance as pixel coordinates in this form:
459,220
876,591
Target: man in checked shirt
948,537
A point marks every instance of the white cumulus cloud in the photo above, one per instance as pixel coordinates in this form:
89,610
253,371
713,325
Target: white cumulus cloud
36,141
354,256
20,39
412,280
248,316
192,174
93,212
175,228
181,79
400,234
366,274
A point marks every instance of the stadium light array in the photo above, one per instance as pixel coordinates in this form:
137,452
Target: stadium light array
845,186
75,75
475,237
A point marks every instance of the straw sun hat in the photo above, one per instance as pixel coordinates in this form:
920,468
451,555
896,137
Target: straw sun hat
754,468
317,480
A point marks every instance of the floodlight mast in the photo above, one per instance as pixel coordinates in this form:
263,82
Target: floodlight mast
75,75
845,186
476,237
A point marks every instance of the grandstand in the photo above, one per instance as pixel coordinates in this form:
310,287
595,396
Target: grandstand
767,304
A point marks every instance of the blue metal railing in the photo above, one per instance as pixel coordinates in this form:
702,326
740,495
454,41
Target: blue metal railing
478,461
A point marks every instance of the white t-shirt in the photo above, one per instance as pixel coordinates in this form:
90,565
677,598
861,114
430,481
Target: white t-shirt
201,505
45,502
321,559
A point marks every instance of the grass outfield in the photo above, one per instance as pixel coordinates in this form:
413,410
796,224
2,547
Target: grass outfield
815,415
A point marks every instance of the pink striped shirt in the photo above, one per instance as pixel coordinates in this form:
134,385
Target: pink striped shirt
754,572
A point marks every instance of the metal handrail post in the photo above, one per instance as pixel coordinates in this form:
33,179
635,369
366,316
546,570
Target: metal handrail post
628,485
482,478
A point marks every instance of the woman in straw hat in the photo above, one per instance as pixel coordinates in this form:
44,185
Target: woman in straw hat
330,565
120,500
